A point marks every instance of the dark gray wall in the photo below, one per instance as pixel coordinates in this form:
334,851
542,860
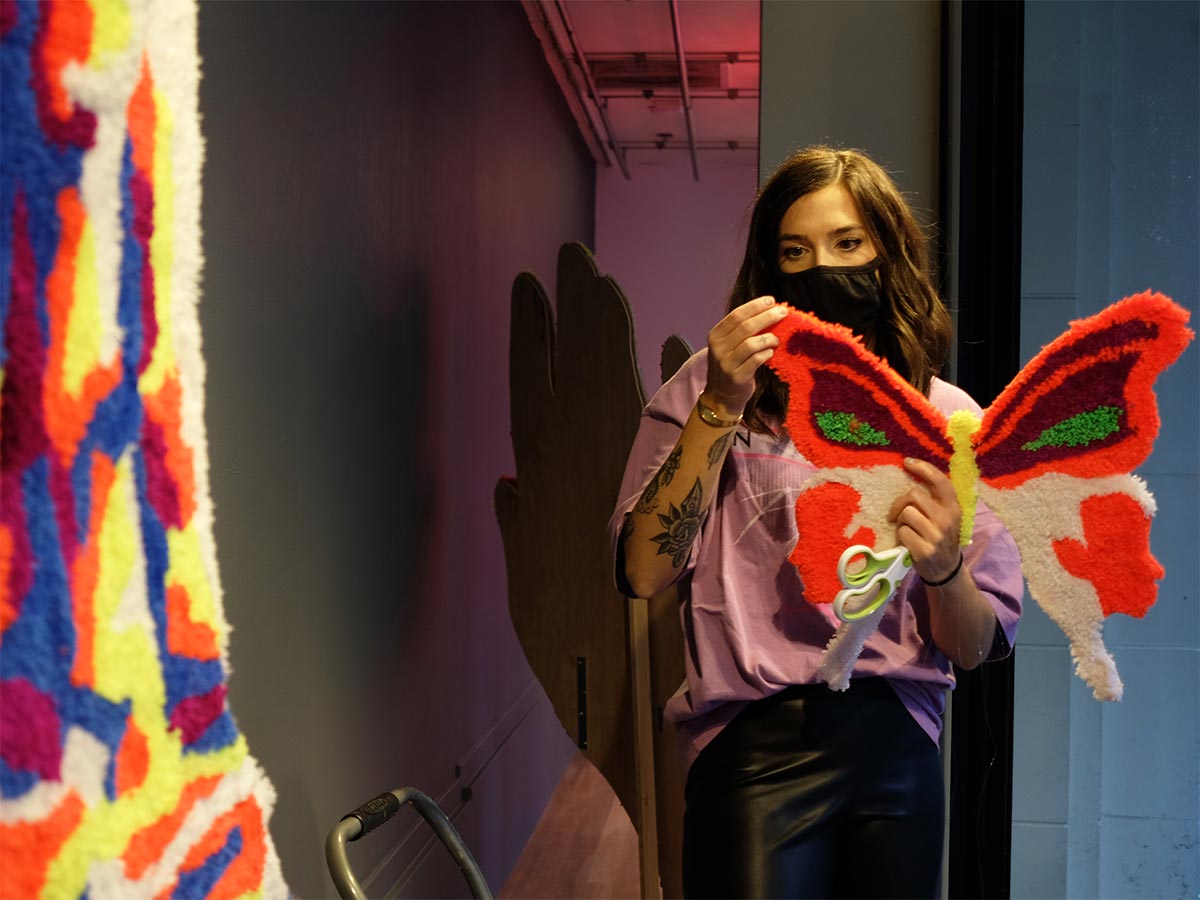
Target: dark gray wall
376,175
1106,797
854,73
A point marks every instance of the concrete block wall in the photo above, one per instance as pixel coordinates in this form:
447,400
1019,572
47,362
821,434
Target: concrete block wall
1106,797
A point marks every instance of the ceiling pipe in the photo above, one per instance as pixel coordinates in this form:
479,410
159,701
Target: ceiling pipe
601,103
683,84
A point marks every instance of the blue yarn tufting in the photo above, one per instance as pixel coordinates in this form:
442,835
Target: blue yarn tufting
199,882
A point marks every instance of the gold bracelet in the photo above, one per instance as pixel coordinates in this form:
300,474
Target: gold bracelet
709,417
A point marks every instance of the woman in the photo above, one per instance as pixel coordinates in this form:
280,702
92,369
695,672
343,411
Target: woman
793,789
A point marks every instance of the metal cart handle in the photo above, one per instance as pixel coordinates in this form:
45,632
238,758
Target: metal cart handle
374,813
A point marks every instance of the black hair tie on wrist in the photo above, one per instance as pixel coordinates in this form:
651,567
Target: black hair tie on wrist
949,578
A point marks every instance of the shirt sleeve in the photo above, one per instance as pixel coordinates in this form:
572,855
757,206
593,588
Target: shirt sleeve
658,432
995,564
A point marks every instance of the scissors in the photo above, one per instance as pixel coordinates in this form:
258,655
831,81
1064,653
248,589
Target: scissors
871,586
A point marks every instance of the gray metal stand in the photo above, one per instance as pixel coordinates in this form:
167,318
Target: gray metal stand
374,813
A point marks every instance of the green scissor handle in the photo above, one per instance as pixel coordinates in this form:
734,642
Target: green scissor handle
872,585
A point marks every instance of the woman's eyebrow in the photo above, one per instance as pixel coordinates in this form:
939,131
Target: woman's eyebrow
845,229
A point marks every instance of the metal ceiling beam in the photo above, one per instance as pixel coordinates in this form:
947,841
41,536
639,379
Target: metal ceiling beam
683,83
568,82
600,102
681,145
671,94
734,57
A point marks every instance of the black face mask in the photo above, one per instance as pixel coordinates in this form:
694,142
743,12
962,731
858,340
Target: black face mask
845,295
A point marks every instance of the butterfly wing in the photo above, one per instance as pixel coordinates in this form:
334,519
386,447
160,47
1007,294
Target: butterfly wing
838,508
1085,553
846,407
856,420
1085,405
1054,453
835,509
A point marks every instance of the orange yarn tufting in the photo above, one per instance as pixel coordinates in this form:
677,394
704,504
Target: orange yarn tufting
185,636
34,844
1116,558
822,515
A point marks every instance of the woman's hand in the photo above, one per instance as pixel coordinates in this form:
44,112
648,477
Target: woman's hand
736,348
928,522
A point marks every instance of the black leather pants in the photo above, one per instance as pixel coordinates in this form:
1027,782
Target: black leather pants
815,793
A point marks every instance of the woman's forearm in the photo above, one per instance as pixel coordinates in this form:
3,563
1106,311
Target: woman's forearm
962,620
659,532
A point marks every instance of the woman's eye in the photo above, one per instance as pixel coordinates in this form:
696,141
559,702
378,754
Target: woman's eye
793,253
849,244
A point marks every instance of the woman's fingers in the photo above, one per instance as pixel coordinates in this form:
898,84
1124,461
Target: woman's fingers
939,484
737,346
928,527
747,337
915,544
920,501
933,556
762,308
933,495
915,518
744,323
745,372
751,346
911,496
928,520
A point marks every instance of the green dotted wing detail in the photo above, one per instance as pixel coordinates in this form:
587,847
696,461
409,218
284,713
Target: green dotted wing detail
847,428
1080,429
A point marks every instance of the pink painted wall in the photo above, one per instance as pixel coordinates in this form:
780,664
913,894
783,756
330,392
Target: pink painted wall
673,245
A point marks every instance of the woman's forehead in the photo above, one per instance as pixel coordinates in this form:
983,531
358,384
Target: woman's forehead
828,211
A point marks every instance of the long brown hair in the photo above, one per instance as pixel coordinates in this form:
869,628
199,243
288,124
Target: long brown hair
914,329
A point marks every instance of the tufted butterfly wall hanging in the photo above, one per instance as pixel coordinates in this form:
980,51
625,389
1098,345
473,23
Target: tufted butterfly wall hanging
1052,457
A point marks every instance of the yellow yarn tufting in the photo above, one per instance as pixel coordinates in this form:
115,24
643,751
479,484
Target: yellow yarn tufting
84,329
162,250
127,667
112,31
187,569
964,472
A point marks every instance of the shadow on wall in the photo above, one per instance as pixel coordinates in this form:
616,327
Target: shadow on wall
371,188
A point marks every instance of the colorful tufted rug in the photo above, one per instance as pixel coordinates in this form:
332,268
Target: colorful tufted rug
1052,457
122,773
